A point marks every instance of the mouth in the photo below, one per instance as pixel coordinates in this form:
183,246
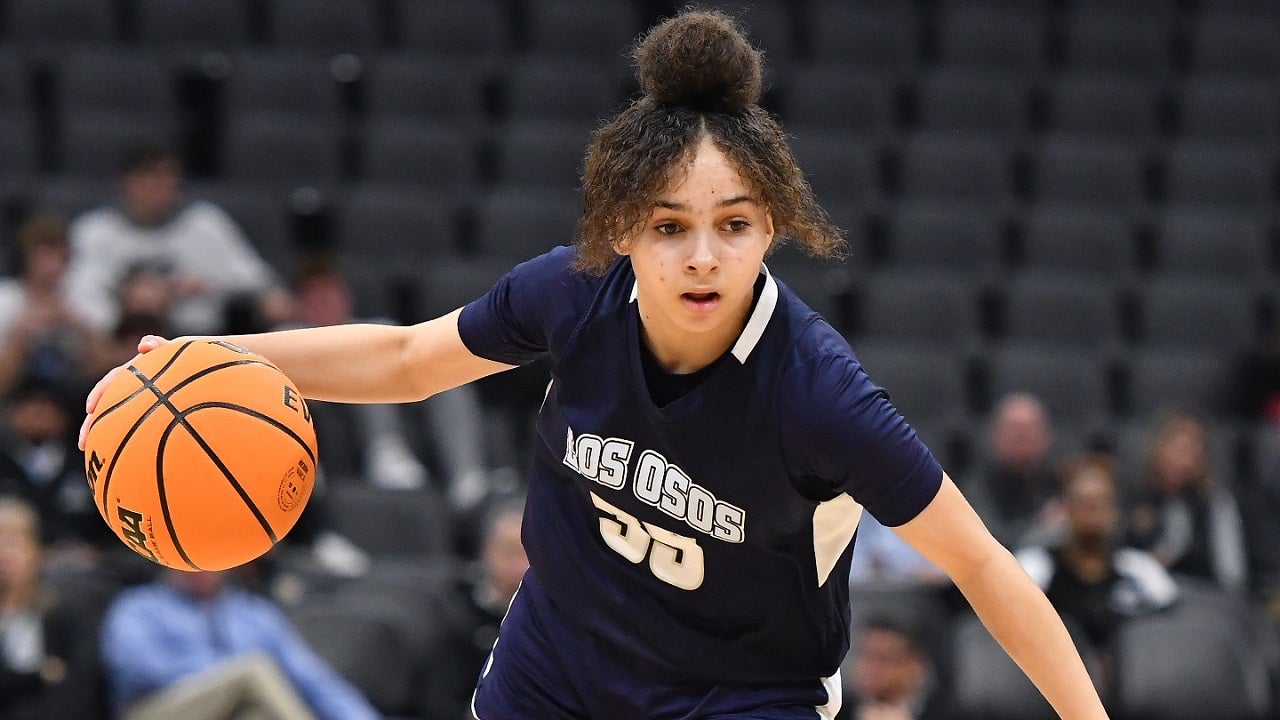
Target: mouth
701,301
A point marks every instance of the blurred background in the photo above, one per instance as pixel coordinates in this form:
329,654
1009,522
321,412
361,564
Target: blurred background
1064,255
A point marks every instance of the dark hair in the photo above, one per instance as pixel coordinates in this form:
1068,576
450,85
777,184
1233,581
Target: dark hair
148,155
42,231
700,77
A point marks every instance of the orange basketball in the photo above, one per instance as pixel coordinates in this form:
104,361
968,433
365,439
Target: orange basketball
201,455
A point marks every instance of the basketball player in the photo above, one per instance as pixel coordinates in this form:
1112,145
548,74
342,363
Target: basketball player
707,443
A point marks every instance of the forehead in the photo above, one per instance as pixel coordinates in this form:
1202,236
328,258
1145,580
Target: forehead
708,177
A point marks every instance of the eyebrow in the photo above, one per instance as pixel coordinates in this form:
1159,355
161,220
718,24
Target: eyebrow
723,203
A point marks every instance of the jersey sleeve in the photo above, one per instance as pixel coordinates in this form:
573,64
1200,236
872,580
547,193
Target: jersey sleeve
515,321
841,431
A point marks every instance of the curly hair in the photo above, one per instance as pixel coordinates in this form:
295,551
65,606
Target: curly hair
700,78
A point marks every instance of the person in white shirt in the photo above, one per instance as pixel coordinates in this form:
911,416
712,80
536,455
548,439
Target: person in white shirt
208,257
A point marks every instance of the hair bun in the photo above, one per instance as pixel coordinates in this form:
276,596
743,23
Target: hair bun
700,60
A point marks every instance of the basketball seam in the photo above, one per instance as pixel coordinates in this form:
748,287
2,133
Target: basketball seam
147,383
106,478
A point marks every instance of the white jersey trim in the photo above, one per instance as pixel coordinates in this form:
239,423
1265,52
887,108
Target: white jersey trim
754,329
835,698
834,523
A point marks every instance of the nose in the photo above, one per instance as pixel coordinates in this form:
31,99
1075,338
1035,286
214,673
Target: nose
702,257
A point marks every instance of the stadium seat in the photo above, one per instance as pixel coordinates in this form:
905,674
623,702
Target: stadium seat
1237,47
327,27
449,283
1077,241
1118,40
1246,111
596,30
881,36
987,685
941,167
920,309
1105,105
18,143
395,228
1098,174
560,89
1056,310
68,196
1011,41
1073,383
418,155
462,29
926,384
424,89
917,231
282,149
1235,176
517,224
271,81
1159,378
1204,636
116,80
1196,314
94,144
834,99
1212,244
541,155
396,524
47,27
974,102
364,648
841,171
192,26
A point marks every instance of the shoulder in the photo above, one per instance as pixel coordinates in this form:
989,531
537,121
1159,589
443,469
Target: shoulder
88,225
1148,574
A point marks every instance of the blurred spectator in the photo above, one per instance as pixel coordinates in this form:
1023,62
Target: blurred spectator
891,676
145,298
383,444
48,653
41,335
1184,516
40,463
206,257
1091,578
1016,492
879,555
473,612
192,646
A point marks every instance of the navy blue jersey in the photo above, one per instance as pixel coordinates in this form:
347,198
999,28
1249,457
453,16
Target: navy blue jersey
712,535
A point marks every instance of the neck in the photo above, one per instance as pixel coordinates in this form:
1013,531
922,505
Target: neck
1090,560
681,352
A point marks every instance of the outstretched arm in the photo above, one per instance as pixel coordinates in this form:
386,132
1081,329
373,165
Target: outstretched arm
1017,613
358,363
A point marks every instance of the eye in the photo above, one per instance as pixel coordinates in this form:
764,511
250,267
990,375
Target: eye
737,225
666,228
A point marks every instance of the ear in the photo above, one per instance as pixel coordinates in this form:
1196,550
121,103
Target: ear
623,247
768,225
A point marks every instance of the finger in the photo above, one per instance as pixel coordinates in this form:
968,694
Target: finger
150,342
91,402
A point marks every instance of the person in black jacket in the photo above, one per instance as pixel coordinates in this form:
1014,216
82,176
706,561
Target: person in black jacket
48,655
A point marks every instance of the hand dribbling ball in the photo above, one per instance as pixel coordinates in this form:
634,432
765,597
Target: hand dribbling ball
201,455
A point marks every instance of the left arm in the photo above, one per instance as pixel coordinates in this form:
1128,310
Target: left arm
949,533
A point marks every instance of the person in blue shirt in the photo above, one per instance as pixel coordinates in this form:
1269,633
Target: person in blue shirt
192,645
707,443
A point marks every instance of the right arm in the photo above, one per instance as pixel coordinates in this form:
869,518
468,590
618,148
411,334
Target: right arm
370,363
358,363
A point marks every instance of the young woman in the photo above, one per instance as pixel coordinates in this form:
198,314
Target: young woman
707,443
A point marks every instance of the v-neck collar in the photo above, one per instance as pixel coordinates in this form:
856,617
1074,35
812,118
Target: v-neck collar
747,341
